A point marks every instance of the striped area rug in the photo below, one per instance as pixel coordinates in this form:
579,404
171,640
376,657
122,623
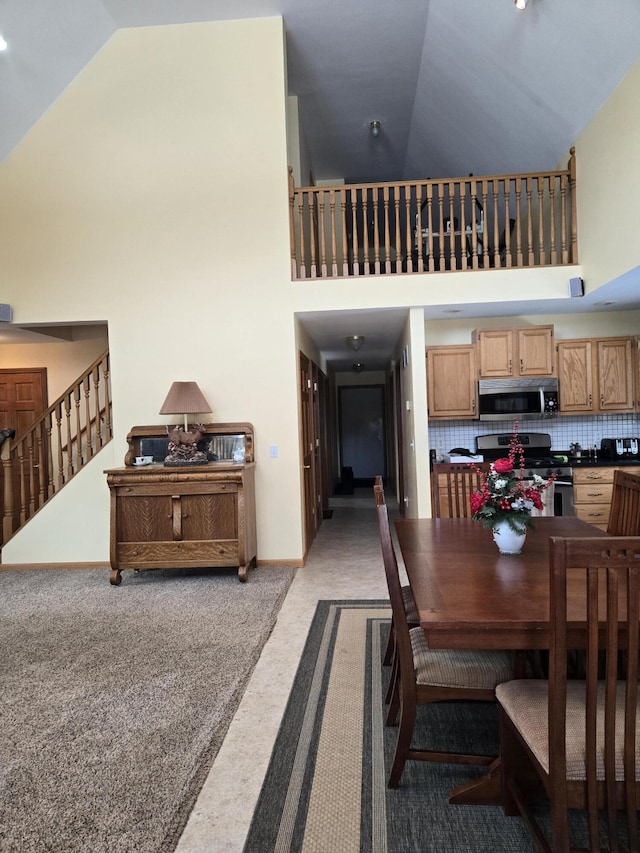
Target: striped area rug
325,790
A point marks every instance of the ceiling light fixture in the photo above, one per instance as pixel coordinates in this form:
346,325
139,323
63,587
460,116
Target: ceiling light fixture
3,44
355,341
521,4
375,128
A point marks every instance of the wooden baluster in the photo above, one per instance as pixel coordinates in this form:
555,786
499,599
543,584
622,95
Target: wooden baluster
452,239
86,393
495,191
60,443
32,463
387,238
79,454
106,377
531,255
563,214
365,231
292,225
301,218
69,455
376,230
322,228
345,238
334,242
519,262
553,248
41,464
464,260
100,437
508,255
410,237
7,455
354,232
542,254
49,459
482,218
313,233
22,481
431,259
397,192
420,224
440,227
573,249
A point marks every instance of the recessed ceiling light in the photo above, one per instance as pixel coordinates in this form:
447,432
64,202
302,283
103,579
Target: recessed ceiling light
3,44
452,311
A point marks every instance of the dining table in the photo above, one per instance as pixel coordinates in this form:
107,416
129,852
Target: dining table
471,596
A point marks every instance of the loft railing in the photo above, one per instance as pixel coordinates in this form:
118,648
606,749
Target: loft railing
38,463
491,222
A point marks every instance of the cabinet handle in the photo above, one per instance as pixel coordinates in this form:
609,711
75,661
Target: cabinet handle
602,401
307,466
510,367
595,494
521,365
590,400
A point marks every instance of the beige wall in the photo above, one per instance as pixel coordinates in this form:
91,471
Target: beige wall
153,195
608,186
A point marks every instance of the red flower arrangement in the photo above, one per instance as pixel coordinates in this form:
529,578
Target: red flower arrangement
505,495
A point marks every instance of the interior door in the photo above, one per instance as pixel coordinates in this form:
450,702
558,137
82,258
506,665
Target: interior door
362,430
23,398
308,450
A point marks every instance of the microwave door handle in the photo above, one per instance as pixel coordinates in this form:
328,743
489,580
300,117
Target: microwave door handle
542,401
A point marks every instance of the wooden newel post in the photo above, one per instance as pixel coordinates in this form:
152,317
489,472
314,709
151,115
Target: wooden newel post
574,207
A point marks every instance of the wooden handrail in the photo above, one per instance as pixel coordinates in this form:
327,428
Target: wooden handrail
471,223
40,461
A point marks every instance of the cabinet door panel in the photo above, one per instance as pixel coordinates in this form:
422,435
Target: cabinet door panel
575,376
146,518
615,373
535,351
209,517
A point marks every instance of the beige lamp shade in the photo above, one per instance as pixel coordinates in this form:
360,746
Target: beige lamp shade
185,398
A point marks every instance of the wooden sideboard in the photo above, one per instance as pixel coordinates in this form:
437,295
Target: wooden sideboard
193,516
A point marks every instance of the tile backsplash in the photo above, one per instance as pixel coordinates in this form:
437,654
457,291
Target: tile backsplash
588,431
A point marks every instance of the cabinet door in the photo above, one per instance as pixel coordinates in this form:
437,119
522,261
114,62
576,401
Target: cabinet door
495,353
451,383
535,351
575,376
615,375
143,518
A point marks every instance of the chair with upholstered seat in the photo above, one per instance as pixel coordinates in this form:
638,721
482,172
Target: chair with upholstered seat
624,518
577,741
453,483
432,675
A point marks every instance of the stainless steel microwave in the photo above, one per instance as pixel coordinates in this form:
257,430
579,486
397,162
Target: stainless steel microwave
521,399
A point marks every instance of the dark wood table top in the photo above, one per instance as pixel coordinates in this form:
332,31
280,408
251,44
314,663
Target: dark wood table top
469,595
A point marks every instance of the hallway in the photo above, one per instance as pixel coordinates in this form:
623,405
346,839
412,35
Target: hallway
344,562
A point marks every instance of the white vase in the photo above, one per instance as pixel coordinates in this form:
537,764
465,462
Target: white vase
507,540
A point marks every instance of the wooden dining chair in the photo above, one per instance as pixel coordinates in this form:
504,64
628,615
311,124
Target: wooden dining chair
432,675
578,740
453,483
624,518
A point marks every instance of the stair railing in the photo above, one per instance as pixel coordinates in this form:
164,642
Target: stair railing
40,461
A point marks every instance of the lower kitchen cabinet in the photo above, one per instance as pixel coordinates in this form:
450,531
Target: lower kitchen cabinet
592,491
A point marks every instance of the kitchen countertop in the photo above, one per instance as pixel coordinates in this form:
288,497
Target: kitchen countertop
600,462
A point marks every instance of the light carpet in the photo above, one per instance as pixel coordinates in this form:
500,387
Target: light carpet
115,700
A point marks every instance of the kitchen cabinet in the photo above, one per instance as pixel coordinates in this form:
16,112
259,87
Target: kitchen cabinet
596,375
452,390
592,491
192,516
508,353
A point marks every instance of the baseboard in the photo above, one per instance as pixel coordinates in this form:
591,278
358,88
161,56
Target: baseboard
295,564
16,567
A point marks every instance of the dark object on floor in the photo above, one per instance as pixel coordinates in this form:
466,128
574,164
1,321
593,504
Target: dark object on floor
345,486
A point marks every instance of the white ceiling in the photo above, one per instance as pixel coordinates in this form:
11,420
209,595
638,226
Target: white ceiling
460,86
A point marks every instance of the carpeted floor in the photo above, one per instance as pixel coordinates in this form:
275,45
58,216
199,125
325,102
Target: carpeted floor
326,785
115,700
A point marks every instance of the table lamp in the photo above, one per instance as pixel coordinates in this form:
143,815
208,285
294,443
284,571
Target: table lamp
185,398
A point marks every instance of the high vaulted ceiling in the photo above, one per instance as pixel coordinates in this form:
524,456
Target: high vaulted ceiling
459,86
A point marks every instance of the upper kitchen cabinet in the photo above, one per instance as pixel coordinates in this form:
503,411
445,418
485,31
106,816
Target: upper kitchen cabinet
452,389
596,375
508,353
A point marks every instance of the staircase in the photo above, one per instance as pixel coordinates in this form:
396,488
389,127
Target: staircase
38,463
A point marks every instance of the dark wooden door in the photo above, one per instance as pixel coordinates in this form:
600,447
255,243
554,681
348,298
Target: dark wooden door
23,398
307,419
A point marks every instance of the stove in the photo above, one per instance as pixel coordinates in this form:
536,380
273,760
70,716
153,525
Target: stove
537,451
